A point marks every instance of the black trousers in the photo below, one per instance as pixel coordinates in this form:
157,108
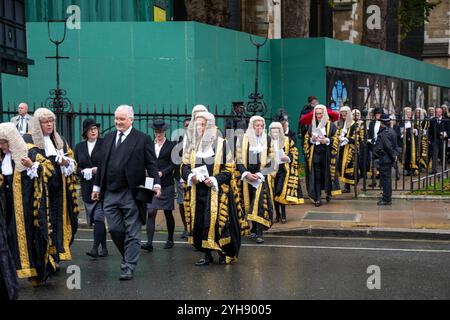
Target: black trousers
319,178
438,153
386,181
202,203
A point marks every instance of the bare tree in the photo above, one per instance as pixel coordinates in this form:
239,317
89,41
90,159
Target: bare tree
214,12
296,16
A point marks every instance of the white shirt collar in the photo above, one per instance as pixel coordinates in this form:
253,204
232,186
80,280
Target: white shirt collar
50,149
91,146
7,168
158,147
208,153
125,134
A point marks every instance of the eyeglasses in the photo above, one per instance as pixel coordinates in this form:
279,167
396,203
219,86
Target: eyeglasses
47,121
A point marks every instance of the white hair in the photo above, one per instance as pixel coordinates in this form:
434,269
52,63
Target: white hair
23,104
128,109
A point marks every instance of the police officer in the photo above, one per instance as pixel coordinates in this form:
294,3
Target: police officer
386,153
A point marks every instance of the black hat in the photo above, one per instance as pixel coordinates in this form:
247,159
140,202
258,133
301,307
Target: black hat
281,116
87,124
160,124
385,118
144,195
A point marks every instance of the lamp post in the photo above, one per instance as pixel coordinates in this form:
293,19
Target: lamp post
57,101
256,104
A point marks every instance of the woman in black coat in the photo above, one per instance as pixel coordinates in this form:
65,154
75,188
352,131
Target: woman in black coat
88,157
163,151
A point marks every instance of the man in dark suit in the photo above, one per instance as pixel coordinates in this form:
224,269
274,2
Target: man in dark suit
438,136
372,134
23,120
127,156
88,158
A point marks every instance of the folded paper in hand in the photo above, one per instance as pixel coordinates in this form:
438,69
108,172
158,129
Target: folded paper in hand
149,183
280,154
319,133
255,184
201,173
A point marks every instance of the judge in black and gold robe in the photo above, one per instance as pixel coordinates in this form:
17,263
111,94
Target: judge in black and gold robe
320,149
349,140
356,116
422,125
25,172
213,219
287,187
255,163
409,135
61,186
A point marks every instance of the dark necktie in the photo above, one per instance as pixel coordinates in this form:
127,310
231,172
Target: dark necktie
119,142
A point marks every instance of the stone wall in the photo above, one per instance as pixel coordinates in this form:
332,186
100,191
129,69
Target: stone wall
437,36
347,21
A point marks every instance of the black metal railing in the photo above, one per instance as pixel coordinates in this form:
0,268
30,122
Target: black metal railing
423,175
174,114
422,167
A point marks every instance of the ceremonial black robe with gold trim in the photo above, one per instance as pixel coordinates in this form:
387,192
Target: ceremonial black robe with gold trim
287,186
409,155
422,149
214,220
331,181
25,203
260,208
347,154
63,202
9,285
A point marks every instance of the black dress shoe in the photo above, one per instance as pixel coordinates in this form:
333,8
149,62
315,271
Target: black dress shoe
204,262
328,198
384,203
103,253
184,235
126,274
222,260
168,245
147,247
92,254
318,203
346,191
